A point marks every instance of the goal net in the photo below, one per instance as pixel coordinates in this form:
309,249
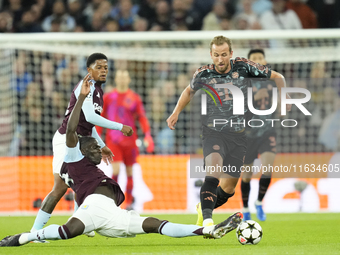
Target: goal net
39,71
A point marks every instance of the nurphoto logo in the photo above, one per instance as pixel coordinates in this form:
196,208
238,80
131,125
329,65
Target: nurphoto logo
238,103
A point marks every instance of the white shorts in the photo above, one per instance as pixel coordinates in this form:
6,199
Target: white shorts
59,151
100,213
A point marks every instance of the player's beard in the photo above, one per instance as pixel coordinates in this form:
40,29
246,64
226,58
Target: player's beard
100,81
223,69
95,159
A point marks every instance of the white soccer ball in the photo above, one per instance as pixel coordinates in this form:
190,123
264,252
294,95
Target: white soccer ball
249,232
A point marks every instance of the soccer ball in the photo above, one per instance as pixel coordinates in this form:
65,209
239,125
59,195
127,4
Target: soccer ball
249,232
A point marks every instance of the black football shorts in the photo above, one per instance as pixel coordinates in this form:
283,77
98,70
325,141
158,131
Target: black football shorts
259,145
231,147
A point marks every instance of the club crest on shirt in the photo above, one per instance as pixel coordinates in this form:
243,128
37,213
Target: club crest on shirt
235,75
85,207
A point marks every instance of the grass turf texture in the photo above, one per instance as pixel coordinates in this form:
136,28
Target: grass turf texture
282,234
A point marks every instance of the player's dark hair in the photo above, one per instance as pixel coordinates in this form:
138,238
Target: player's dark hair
253,51
93,57
84,141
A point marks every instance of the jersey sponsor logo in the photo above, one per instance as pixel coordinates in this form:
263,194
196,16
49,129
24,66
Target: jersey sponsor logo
98,95
67,179
97,107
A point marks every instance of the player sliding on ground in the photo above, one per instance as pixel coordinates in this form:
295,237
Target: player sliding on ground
97,67
100,197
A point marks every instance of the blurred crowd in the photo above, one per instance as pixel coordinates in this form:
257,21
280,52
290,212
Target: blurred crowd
43,82
29,16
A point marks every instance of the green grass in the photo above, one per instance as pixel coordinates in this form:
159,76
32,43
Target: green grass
282,234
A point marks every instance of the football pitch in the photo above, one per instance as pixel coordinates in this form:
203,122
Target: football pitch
282,234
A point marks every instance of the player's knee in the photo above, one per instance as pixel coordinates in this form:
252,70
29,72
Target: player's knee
246,180
212,180
228,189
129,170
58,192
267,174
213,159
151,225
59,188
75,227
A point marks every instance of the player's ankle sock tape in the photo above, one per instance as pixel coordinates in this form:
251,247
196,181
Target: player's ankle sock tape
208,196
64,232
161,226
245,189
51,232
222,197
263,186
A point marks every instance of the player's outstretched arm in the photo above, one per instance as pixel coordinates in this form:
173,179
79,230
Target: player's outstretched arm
184,99
97,120
279,79
71,134
127,130
280,83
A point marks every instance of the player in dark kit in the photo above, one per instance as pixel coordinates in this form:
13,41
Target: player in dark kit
223,144
260,140
97,66
100,197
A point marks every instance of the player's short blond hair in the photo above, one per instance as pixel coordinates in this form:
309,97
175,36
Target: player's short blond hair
220,40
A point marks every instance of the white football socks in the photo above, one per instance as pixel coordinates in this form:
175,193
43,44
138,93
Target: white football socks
41,220
208,222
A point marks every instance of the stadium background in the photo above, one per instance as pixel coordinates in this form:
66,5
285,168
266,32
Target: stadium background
39,71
